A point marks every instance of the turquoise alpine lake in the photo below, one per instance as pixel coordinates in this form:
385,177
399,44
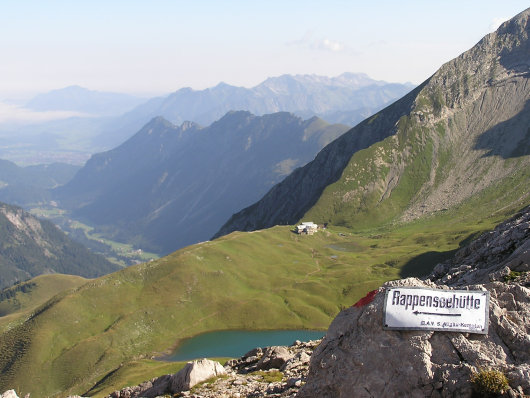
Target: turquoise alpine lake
235,343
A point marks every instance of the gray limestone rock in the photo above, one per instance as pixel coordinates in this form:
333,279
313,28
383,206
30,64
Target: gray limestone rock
9,394
195,372
357,358
274,358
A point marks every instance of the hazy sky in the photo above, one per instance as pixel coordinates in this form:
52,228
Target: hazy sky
158,46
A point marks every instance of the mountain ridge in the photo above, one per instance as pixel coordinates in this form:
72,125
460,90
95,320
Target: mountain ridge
433,140
29,185
31,247
80,99
191,178
345,99
310,187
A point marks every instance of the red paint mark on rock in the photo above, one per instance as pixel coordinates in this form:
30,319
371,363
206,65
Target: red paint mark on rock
366,299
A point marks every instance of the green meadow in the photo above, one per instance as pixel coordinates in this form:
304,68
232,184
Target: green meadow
102,335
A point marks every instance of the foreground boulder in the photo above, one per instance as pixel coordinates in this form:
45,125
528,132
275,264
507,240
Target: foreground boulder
193,373
241,377
9,394
357,358
274,358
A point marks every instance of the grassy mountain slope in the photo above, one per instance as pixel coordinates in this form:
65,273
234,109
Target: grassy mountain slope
23,297
461,137
168,186
266,279
30,247
464,147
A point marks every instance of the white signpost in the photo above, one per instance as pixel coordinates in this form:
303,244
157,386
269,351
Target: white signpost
412,308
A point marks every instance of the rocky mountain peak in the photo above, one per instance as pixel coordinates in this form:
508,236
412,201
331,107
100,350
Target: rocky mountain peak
187,125
496,57
158,122
443,144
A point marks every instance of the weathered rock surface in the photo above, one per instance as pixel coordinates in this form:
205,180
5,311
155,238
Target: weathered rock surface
148,389
357,358
268,372
9,394
274,358
491,257
195,372
246,377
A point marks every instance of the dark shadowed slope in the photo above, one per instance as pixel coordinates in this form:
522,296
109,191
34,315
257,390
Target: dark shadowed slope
171,186
31,247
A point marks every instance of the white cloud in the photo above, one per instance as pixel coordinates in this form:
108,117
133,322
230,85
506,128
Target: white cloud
496,22
329,45
15,114
324,44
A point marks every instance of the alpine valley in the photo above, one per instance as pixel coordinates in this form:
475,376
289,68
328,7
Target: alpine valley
400,192
168,186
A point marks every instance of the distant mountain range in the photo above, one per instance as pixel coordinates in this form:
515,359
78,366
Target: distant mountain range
82,100
168,186
346,99
31,247
304,95
30,185
114,118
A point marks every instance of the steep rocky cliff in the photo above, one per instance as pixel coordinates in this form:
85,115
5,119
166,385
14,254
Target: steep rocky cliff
461,137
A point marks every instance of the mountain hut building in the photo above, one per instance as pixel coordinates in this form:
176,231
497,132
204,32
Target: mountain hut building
308,228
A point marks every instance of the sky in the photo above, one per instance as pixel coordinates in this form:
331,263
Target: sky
153,47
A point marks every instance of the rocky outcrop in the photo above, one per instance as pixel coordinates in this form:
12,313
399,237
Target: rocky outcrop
274,358
268,372
9,394
357,358
194,373
492,257
263,372
149,389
